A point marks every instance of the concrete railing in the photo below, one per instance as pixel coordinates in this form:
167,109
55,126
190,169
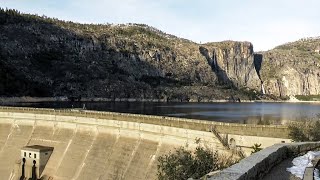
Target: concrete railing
259,164
274,131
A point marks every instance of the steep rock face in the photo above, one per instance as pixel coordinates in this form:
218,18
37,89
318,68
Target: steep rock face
46,57
62,58
287,72
233,63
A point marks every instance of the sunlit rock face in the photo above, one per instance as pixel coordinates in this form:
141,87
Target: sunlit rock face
291,72
233,63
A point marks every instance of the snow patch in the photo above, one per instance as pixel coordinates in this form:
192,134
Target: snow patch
300,163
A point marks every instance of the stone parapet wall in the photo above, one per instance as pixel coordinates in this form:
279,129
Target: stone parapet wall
259,164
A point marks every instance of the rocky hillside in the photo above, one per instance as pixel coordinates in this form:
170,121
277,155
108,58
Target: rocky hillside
41,56
292,68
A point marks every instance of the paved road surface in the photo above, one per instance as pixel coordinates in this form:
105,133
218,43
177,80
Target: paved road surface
279,172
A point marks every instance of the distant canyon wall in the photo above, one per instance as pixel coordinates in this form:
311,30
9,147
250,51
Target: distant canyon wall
47,57
288,73
40,56
233,63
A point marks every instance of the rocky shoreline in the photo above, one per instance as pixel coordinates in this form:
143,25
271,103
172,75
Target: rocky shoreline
65,99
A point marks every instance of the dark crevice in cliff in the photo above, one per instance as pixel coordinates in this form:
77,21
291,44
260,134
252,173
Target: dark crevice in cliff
258,58
223,78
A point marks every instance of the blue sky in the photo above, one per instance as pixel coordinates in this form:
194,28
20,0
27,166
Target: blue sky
264,23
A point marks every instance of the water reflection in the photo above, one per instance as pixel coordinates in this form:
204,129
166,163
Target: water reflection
247,113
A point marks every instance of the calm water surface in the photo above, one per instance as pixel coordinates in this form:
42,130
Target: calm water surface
247,113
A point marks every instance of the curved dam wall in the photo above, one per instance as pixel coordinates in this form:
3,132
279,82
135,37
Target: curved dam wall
104,145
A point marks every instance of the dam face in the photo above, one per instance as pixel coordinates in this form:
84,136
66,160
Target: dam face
102,145
90,148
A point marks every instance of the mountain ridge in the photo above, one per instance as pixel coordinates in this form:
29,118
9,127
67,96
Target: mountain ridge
43,56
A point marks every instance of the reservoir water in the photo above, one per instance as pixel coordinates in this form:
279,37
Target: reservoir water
247,113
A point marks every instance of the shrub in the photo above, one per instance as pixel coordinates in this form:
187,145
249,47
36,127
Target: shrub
308,97
183,163
305,130
250,93
256,147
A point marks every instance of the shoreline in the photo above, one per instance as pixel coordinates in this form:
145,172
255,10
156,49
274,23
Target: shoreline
27,99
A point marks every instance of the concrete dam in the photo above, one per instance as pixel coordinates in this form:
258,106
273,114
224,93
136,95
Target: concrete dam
103,145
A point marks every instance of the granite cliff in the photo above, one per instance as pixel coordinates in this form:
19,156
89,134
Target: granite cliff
41,56
233,63
292,69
